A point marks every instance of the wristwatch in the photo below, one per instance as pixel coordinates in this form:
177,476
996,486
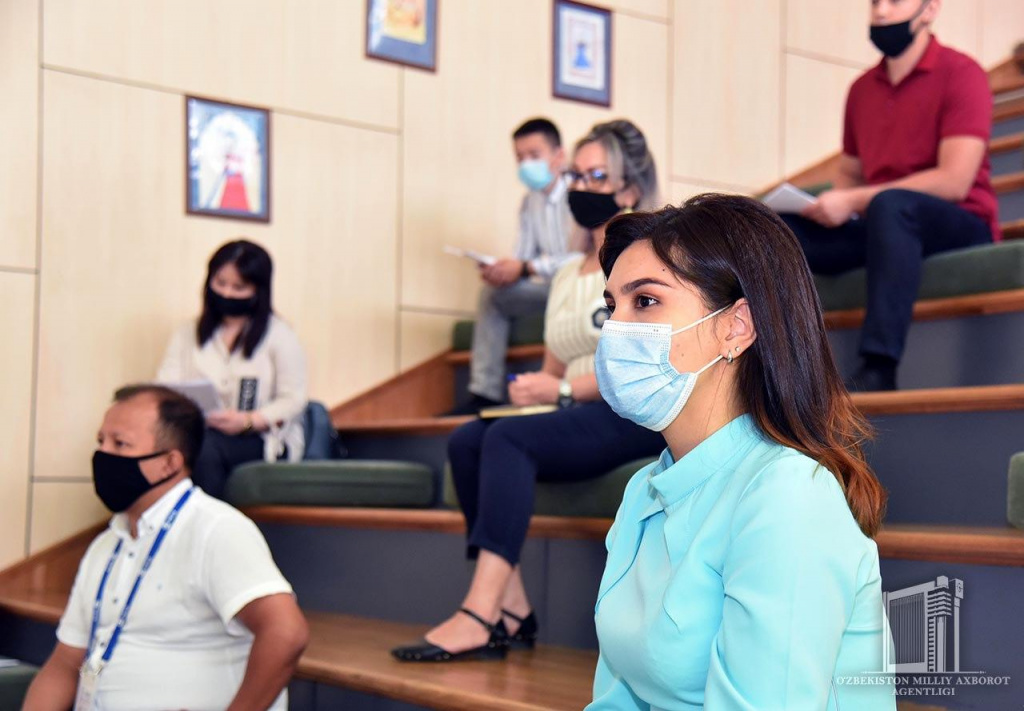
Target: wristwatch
565,398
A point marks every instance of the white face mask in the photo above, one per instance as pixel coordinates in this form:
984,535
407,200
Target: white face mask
635,376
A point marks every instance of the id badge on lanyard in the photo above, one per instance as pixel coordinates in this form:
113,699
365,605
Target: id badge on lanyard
89,674
88,682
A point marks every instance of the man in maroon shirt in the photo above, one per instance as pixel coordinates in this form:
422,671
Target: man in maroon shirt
913,177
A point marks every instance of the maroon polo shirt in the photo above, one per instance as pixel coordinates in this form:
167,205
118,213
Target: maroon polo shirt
895,130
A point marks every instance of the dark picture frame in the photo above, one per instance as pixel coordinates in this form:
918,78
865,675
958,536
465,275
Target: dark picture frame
403,32
227,160
581,51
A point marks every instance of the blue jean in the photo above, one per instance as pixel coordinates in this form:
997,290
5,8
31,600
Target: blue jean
899,229
496,464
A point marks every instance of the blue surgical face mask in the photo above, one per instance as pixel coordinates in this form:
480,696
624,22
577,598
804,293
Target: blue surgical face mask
635,376
535,174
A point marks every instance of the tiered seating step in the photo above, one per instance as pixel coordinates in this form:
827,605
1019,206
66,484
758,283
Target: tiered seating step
972,545
352,652
901,402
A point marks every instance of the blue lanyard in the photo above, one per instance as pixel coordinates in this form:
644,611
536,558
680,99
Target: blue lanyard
109,651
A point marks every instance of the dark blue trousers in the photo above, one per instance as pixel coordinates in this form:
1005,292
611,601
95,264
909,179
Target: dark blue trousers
220,455
496,464
900,229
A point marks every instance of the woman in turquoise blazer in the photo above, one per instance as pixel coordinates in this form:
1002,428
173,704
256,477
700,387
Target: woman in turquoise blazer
741,572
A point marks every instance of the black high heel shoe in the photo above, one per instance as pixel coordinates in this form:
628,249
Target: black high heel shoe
495,649
526,636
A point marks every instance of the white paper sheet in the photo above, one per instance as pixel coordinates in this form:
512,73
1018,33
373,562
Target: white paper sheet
485,259
788,198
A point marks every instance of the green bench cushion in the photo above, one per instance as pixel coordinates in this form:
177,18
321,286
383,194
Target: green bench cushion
598,498
346,482
975,270
525,331
1015,492
14,683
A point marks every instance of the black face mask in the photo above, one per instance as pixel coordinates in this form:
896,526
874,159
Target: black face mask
231,307
119,481
592,210
893,40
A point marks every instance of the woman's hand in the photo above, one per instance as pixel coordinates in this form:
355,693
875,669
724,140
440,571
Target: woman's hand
230,422
534,389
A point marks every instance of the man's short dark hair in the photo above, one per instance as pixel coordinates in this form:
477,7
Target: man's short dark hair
181,424
542,126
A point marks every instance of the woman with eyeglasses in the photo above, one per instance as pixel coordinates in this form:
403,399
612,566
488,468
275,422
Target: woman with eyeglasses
495,463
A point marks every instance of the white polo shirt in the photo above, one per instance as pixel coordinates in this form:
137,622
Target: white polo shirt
181,647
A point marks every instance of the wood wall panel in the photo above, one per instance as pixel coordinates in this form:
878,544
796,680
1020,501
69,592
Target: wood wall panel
62,509
425,336
726,118
815,104
304,56
17,296
459,172
124,265
19,115
680,191
1002,29
837,29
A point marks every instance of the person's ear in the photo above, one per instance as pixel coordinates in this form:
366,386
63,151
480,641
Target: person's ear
629,196
173,462
558,160
929,14
738,327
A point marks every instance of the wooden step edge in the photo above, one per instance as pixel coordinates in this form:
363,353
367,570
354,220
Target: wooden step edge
532,351
1005,144
988,304
1013,230
1008,110
1007,83
951,544
1008,183
352,652
993,302
984,398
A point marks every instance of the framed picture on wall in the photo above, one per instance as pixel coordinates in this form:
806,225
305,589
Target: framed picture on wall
402,31
582,53
227,160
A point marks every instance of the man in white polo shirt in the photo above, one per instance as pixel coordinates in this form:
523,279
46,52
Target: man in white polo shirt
178,604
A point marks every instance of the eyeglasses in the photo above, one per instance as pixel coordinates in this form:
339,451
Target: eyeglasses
595,178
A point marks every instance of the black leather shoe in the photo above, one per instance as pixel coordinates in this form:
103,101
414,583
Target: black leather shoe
495,649
868,379
526,636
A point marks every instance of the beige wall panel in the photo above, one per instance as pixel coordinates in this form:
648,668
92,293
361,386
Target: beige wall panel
958,26
460,185
335,243
124,264
680,191
649,8
62,509
17,297
726,91
305,56
19,81
815,104
425,336
838,28
1002,29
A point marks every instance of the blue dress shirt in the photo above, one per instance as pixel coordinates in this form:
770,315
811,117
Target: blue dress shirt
737,579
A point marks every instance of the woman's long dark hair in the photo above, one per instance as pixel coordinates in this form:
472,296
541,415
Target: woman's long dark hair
255,267
732,247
